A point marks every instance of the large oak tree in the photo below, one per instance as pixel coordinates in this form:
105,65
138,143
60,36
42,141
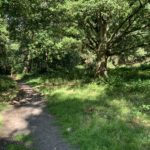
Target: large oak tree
111,27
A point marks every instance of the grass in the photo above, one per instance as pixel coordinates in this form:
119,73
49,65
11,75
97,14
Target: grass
25,142
100,116
3,106
8,91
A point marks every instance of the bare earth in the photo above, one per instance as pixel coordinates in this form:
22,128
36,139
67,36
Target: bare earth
28,117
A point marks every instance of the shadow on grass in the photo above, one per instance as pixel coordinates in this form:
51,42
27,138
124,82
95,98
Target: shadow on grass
114,118
100,124
59,77
131,74
79,74
132,84
17,144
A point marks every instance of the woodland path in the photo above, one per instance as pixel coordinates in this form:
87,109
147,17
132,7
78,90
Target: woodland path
29,117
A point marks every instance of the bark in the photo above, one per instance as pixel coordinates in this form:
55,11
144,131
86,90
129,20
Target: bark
101,65
27,67
101,68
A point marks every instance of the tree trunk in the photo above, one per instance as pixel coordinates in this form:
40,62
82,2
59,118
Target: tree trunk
101,65
101,68
27,67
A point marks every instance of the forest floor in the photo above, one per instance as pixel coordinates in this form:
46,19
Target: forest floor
27,125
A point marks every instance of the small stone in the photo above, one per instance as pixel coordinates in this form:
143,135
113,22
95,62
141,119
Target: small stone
15,103
69,129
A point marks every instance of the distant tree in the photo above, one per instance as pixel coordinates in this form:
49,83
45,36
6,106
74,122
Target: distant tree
42,29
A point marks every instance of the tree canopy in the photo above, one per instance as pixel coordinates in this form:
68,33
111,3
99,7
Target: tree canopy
41,35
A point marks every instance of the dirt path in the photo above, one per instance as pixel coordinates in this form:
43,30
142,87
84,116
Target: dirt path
28,117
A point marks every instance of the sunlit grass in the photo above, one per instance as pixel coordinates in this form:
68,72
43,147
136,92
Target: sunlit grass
3,106
113,116
1,120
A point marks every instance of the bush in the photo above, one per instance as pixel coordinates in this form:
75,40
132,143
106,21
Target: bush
6,83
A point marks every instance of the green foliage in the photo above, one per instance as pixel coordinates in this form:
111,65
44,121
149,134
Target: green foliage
16,147
7,92
44,35
4,39
6,83
111,28
57,34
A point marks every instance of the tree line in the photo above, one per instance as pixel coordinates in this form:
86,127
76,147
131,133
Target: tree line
42,35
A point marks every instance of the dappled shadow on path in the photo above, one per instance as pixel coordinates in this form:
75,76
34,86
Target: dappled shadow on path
28,117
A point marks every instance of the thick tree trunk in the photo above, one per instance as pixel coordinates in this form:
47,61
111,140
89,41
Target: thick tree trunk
101,68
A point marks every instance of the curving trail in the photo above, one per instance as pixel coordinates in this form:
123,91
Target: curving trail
28,117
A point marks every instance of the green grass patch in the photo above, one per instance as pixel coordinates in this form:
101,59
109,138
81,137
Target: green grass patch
101,116
8,91
3,106
6,83
16,147
24,143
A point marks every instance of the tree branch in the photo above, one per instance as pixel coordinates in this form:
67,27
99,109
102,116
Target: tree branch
128,18
126,33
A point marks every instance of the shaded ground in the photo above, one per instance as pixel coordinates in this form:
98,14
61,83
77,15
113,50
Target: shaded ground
27,117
